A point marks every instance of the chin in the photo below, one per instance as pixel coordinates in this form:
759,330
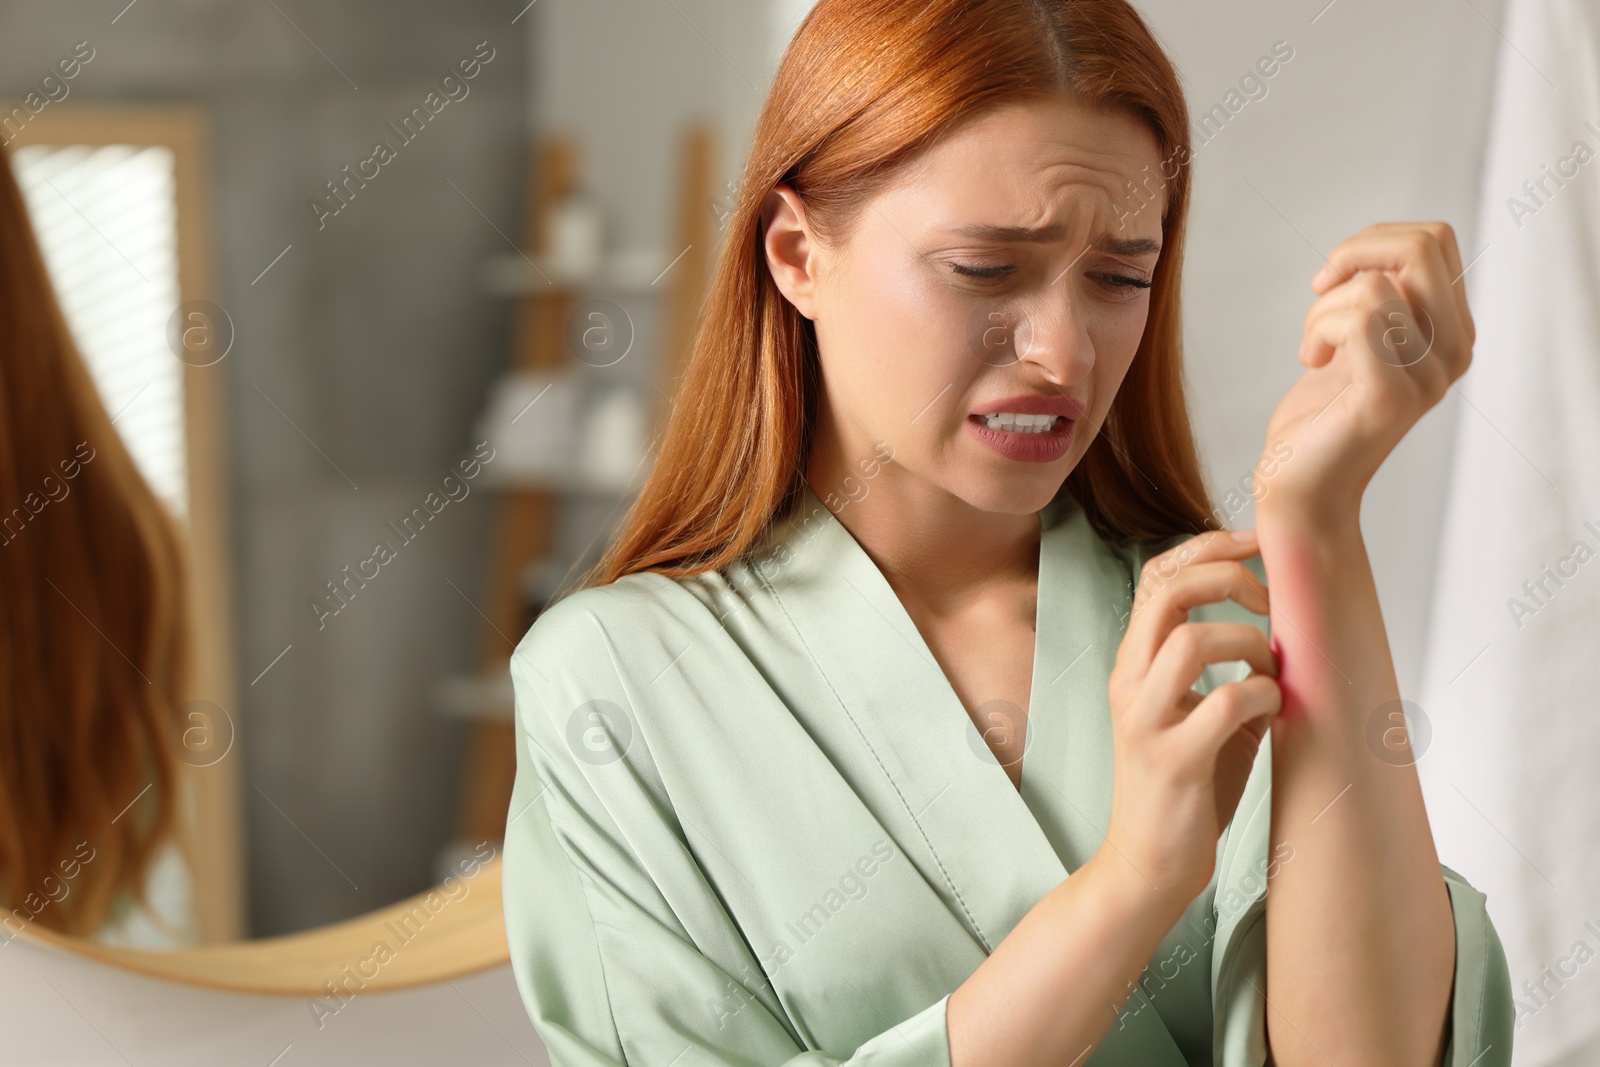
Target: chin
1018,494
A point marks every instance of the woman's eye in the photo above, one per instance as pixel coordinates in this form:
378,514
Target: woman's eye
985,273
1124,285
1125,282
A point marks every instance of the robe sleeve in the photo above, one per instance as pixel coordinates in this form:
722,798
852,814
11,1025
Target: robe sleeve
623,961
1482,1012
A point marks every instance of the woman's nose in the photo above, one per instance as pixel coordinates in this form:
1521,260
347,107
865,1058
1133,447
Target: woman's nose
1048,332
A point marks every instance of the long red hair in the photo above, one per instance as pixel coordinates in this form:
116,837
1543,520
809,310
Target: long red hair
864,87
93,652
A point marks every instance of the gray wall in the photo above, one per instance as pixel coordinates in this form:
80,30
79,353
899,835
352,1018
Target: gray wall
375,341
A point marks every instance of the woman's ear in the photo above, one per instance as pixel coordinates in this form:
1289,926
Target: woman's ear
793,256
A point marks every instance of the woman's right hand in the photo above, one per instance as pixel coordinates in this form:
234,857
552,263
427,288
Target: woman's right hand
1181,760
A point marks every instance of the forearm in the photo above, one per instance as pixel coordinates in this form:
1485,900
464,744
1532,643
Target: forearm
1360,933
1055,984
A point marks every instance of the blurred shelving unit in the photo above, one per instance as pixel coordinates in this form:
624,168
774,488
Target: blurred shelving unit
566,425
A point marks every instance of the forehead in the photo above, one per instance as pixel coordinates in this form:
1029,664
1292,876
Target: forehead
1028,163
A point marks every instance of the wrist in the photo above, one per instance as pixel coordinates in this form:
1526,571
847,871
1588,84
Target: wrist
1317,499
1325,523
1132,895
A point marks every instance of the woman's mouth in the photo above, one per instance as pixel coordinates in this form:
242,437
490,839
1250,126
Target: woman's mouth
1029,438
1016,423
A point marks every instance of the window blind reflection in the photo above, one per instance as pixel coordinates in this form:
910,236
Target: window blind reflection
106,217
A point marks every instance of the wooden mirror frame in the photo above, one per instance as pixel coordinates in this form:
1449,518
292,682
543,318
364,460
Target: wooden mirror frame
461,937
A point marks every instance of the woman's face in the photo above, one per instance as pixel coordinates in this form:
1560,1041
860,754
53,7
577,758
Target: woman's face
980,318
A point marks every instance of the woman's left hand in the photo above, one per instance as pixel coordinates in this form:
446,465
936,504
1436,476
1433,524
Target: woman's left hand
1389,334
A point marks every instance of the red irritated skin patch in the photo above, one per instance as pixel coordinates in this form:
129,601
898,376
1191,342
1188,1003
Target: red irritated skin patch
1295,623
1304,570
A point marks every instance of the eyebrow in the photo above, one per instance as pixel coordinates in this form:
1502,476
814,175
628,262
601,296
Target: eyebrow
1120,246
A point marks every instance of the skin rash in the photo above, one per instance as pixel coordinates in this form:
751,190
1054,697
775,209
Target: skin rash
1010,221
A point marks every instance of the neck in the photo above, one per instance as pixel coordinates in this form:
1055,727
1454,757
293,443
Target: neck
933,547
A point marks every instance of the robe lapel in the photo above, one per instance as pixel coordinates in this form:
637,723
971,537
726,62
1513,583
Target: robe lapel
947,801
1084,599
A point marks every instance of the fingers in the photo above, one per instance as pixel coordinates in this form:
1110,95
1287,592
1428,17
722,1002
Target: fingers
1201,570
1370,315
1246,704
1424,263
1340,265
1159,571
1186,653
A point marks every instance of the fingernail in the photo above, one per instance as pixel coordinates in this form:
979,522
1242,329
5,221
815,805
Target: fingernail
1244,535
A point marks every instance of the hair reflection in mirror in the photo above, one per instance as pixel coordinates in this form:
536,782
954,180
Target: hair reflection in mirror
93,623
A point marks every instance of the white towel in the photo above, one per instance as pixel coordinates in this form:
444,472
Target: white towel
1511,682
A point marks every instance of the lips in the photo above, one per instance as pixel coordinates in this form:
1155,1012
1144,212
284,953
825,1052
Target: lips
1034,404
1027,445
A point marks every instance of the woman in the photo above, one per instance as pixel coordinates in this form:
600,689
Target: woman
93,634
898,725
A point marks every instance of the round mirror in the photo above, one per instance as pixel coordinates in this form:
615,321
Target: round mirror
323,377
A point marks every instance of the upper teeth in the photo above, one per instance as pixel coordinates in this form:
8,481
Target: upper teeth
1014,423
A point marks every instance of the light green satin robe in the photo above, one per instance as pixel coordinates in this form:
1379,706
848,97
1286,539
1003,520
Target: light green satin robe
753,823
